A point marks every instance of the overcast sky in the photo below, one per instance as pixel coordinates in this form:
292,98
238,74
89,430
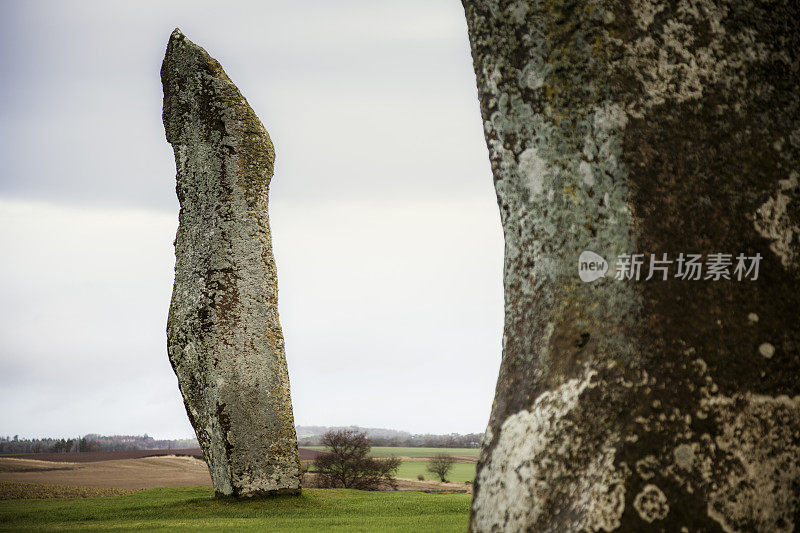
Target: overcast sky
385,226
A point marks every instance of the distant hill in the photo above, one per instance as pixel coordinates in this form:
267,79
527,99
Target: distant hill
315,431
312,436
306,436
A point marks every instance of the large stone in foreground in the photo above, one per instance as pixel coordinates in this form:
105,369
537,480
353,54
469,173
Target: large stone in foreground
627,127
223,336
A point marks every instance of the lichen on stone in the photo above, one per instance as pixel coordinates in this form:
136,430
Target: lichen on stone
773,222
532,451
651,504
649,127
761,437
223,334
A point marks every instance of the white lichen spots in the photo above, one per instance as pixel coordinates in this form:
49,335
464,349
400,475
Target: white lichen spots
603,503
651,504
532,169
766,350
533,74
759,434
673,65
518,10
586,171
684,456
610,118
794,138
534,79
487,438
647,467
492,78
752,318
535,450
645,11
772,221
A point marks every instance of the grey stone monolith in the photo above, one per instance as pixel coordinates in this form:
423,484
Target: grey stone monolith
624,127
223,335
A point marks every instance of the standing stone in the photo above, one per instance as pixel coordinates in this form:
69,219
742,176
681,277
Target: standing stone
642,126
223,336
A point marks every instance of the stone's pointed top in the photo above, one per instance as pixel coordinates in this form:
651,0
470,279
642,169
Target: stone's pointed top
197,91
183,62
175,37
178,37
184,59
179,44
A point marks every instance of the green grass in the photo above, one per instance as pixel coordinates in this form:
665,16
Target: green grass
461,471
386,451
195,508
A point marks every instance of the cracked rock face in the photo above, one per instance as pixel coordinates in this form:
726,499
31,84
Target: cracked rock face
223,335
652,127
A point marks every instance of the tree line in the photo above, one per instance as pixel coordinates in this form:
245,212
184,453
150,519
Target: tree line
453,440
100,443
90,443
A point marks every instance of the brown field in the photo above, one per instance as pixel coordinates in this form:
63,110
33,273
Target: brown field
106,473
16,490
91,457
141,473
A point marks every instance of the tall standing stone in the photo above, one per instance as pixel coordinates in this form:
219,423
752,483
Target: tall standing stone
652,127
223,336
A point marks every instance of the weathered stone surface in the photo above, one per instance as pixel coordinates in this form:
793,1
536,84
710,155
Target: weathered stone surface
639,126
223,336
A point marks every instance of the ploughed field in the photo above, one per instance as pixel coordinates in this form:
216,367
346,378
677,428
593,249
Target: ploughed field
75,473
306,454
140,473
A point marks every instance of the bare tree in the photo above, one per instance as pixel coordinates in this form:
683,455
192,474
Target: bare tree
347,465
441,465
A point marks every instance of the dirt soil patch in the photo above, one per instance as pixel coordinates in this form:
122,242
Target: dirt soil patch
92,457
144,473
11,464
15,490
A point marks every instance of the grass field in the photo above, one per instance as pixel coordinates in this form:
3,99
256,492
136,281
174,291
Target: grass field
461,471
411,469
386,451
194,508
